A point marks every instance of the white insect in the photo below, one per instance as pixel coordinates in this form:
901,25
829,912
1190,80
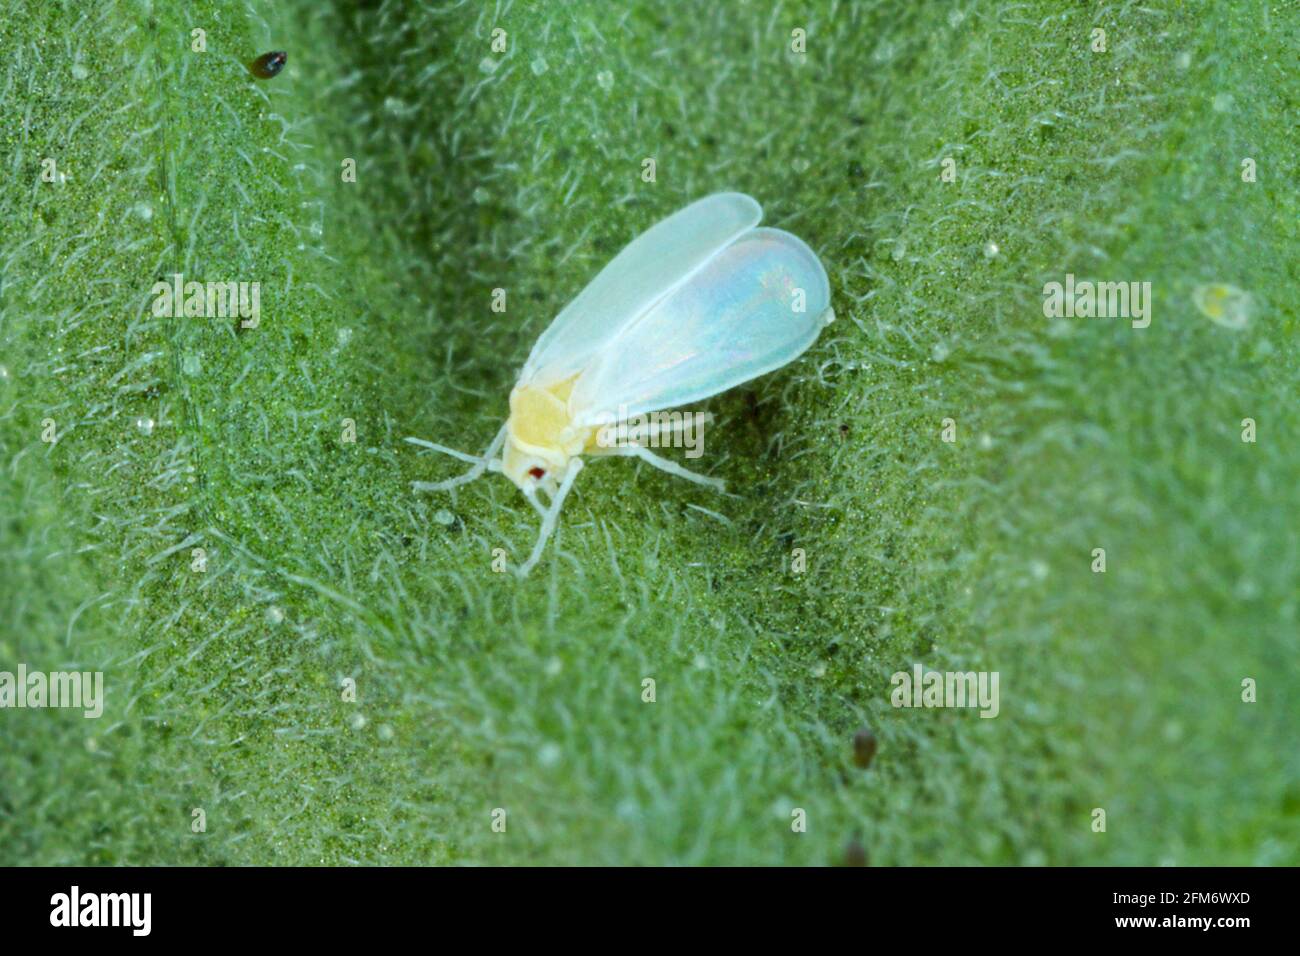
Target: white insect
695,305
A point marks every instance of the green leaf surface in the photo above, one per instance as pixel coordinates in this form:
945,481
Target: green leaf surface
522,170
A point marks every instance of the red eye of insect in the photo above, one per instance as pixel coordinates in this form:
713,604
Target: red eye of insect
538,473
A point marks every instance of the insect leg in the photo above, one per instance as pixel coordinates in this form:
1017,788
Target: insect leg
653,432
552,513
480,464
665,464
531,495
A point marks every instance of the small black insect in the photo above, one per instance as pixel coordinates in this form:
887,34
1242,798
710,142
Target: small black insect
268,64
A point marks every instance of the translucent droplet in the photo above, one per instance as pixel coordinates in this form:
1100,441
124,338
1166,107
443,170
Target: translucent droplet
79,71
444,517
800,164
274,615
4,373
145,425
939,352
1183,60
1224,305
899,251
990,250
1039,570
539,65
955,18
553,667
386,732
358,721
143,210
1222,102
481,195
549,755
701,662
191,363
488,65
345,336
605,80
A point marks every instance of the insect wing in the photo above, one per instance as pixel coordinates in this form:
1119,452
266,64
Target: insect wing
648,268
733,320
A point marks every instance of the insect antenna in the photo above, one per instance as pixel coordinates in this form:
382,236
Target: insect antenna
480,463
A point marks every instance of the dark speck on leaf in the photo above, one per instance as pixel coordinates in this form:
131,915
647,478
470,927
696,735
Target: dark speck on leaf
856,171
855,854
864,747
268,64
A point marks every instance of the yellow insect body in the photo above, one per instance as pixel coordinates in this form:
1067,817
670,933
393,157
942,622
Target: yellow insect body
541,439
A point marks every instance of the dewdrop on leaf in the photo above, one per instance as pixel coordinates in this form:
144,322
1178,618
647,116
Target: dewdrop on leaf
1224,305
697,304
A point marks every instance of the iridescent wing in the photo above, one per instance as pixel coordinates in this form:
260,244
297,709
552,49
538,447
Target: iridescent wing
754,306
648,269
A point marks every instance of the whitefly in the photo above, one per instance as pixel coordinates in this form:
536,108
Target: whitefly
697,304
